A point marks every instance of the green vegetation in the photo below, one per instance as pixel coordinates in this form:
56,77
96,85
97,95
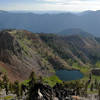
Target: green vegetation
96,77
25,82
7,98
2,69
98,64
52,80
84,69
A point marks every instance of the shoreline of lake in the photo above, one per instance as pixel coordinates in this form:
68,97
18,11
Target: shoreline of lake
69,75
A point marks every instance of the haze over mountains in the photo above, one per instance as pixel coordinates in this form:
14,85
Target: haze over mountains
51,23
75,31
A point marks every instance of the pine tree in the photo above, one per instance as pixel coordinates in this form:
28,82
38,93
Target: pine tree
11,87
32,82
17,88
91,88
5,82
22,89
96,83
99,93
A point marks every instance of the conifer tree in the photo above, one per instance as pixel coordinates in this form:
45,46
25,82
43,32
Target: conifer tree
99,93
17,88
22,89
5,82
32,82
11,87
91,88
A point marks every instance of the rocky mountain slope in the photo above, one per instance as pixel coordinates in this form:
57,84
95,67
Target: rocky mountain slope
80,49
22,51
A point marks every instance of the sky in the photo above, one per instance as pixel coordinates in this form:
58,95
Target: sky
50,5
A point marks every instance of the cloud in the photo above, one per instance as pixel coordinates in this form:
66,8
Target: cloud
73,3
65,1
65,5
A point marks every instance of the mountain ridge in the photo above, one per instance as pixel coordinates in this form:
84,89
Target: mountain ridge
51,23
22,51
75,31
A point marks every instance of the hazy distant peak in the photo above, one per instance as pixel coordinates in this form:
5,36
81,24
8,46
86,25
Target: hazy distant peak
3,11
74,31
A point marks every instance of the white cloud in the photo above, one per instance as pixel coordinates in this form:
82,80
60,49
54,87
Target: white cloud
65,5
72,5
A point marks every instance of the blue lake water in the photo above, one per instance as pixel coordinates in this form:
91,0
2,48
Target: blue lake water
67,75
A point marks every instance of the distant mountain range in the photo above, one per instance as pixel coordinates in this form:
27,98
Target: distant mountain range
75,31
51,23
3,11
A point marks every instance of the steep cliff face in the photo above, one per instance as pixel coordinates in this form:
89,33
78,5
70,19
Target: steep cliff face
8,47
18,54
